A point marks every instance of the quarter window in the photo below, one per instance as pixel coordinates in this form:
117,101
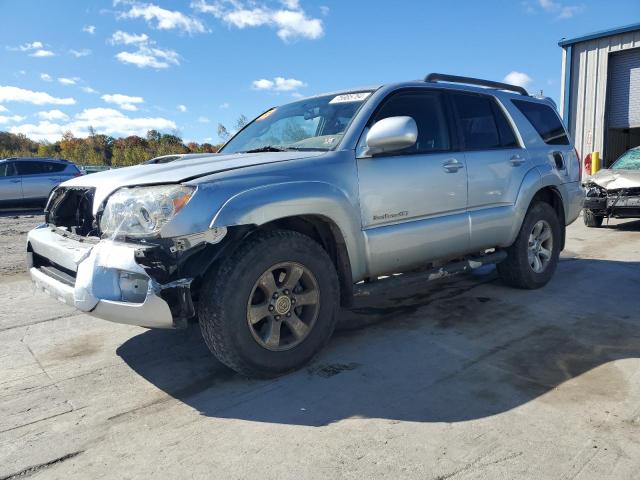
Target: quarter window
479,128
427,109
545,120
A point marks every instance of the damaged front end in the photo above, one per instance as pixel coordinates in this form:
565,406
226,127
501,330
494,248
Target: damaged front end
612,202
139,281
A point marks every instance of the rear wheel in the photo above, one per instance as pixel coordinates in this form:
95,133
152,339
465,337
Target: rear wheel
271,305
591,219
533,257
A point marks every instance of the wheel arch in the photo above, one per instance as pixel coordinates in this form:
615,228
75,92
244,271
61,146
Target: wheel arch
317,209
324,231
536,188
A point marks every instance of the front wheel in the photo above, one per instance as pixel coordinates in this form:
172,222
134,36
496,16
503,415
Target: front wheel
533,257
271,305
591,219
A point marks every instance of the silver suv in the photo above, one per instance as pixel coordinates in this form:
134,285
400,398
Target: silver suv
29,181
263,241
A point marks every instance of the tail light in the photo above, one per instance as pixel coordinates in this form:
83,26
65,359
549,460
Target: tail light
587,164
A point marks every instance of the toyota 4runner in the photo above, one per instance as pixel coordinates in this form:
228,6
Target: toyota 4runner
263,241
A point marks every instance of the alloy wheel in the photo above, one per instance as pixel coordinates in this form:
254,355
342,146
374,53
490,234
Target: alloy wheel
283,306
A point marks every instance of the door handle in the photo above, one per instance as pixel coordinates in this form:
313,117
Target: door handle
452,165
53,179
15,181
517,160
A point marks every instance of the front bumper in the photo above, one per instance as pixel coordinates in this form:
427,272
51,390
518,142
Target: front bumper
95,277
614,206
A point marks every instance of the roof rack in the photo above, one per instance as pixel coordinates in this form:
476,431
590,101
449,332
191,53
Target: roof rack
442,77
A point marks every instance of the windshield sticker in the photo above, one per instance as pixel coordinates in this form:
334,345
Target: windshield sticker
266,114
350,97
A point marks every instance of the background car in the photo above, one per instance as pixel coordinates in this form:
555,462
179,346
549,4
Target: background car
29,181
615,191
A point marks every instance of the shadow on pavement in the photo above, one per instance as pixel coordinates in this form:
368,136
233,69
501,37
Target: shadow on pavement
439,353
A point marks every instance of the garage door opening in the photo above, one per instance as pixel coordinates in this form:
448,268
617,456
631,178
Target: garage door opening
623,104
619,140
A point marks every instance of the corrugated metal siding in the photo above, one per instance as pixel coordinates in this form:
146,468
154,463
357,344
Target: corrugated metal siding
624,89
590,70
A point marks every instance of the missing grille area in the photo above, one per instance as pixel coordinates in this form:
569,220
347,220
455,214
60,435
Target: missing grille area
72,208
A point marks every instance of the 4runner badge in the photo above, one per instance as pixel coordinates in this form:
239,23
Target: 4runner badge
391,216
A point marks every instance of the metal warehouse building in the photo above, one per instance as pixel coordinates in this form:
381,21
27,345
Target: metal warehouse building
600,92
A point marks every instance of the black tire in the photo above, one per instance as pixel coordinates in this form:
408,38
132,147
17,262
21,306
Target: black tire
591,219
227,290
516,270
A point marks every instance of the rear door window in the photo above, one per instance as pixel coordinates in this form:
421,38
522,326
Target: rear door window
30,168
545,120
507,137
477,121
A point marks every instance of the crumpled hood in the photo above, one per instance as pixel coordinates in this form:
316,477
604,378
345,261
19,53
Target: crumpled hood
177,171
614,179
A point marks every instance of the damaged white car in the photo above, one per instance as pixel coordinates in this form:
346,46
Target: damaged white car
614,192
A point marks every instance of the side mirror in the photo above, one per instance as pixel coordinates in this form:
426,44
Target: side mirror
391,135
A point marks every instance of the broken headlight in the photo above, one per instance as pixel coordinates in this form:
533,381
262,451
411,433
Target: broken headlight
143,211
594,190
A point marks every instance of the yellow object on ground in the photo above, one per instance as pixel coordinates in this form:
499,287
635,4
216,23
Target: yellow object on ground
595,162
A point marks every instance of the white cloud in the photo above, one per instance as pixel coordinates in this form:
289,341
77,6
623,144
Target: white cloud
290,22
46,77
89,90
164,19
68,81
125,102
560,10
42,53
203,120
225,105
10,119
182,108
80,53
90,29
27,47
278,84
16,94
150,57
53,115
124,38
3,108
518,78
106,121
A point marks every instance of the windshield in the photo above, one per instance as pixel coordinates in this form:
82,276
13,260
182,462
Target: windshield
630,160
314,124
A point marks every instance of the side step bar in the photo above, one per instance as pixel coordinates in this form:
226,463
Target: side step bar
370,288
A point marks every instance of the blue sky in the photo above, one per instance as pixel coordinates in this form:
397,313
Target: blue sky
125,66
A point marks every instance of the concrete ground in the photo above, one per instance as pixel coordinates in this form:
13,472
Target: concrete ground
454,380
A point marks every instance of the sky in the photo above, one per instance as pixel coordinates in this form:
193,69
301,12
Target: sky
184,66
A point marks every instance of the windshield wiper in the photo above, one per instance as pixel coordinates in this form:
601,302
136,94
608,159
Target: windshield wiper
268,148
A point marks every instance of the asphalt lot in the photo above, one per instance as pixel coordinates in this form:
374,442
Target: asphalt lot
453,380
